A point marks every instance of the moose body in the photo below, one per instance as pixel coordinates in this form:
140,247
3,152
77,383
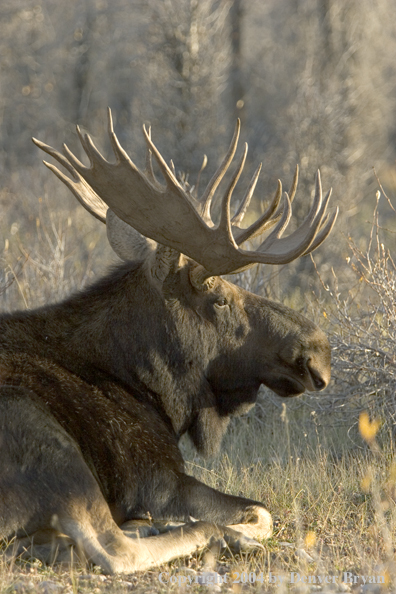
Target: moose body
95,393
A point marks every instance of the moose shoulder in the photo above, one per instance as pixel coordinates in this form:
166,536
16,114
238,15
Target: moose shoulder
96,391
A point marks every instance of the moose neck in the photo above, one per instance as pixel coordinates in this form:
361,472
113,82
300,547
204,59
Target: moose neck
121,328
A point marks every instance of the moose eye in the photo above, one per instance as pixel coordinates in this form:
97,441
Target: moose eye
221,302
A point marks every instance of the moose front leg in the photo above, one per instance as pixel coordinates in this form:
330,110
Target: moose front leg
47,490
197,500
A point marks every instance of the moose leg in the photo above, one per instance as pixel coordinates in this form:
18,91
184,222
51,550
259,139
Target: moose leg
46,485
197,500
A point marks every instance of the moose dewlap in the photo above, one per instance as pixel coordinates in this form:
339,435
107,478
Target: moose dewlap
96,391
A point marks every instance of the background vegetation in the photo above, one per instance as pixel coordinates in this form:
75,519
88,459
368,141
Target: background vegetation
313,82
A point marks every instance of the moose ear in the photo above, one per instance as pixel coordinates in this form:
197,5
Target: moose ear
127,243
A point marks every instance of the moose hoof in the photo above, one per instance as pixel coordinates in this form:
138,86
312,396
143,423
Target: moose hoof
260,526
239,543
234,542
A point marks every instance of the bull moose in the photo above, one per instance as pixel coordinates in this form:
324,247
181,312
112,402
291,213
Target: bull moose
96,391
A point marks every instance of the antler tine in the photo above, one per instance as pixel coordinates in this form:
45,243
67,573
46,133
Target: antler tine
317,203
273,213
93,154
225,223
56,155
280,227
244,205
327,226
90,149
119,153
84,144
266,220
169,177
313,213
294,184
75,163
59,174
204,163
83,192
173,168
207,196
149,171
298,243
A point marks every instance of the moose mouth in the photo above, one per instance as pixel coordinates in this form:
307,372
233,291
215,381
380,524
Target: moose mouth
285,386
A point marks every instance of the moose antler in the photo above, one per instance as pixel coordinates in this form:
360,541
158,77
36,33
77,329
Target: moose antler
168,215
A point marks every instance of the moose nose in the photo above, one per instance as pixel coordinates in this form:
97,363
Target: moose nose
317,379
319,383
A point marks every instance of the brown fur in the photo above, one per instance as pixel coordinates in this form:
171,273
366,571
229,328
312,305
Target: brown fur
95,393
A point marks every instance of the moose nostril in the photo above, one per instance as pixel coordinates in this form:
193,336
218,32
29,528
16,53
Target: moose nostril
319,383
316,377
